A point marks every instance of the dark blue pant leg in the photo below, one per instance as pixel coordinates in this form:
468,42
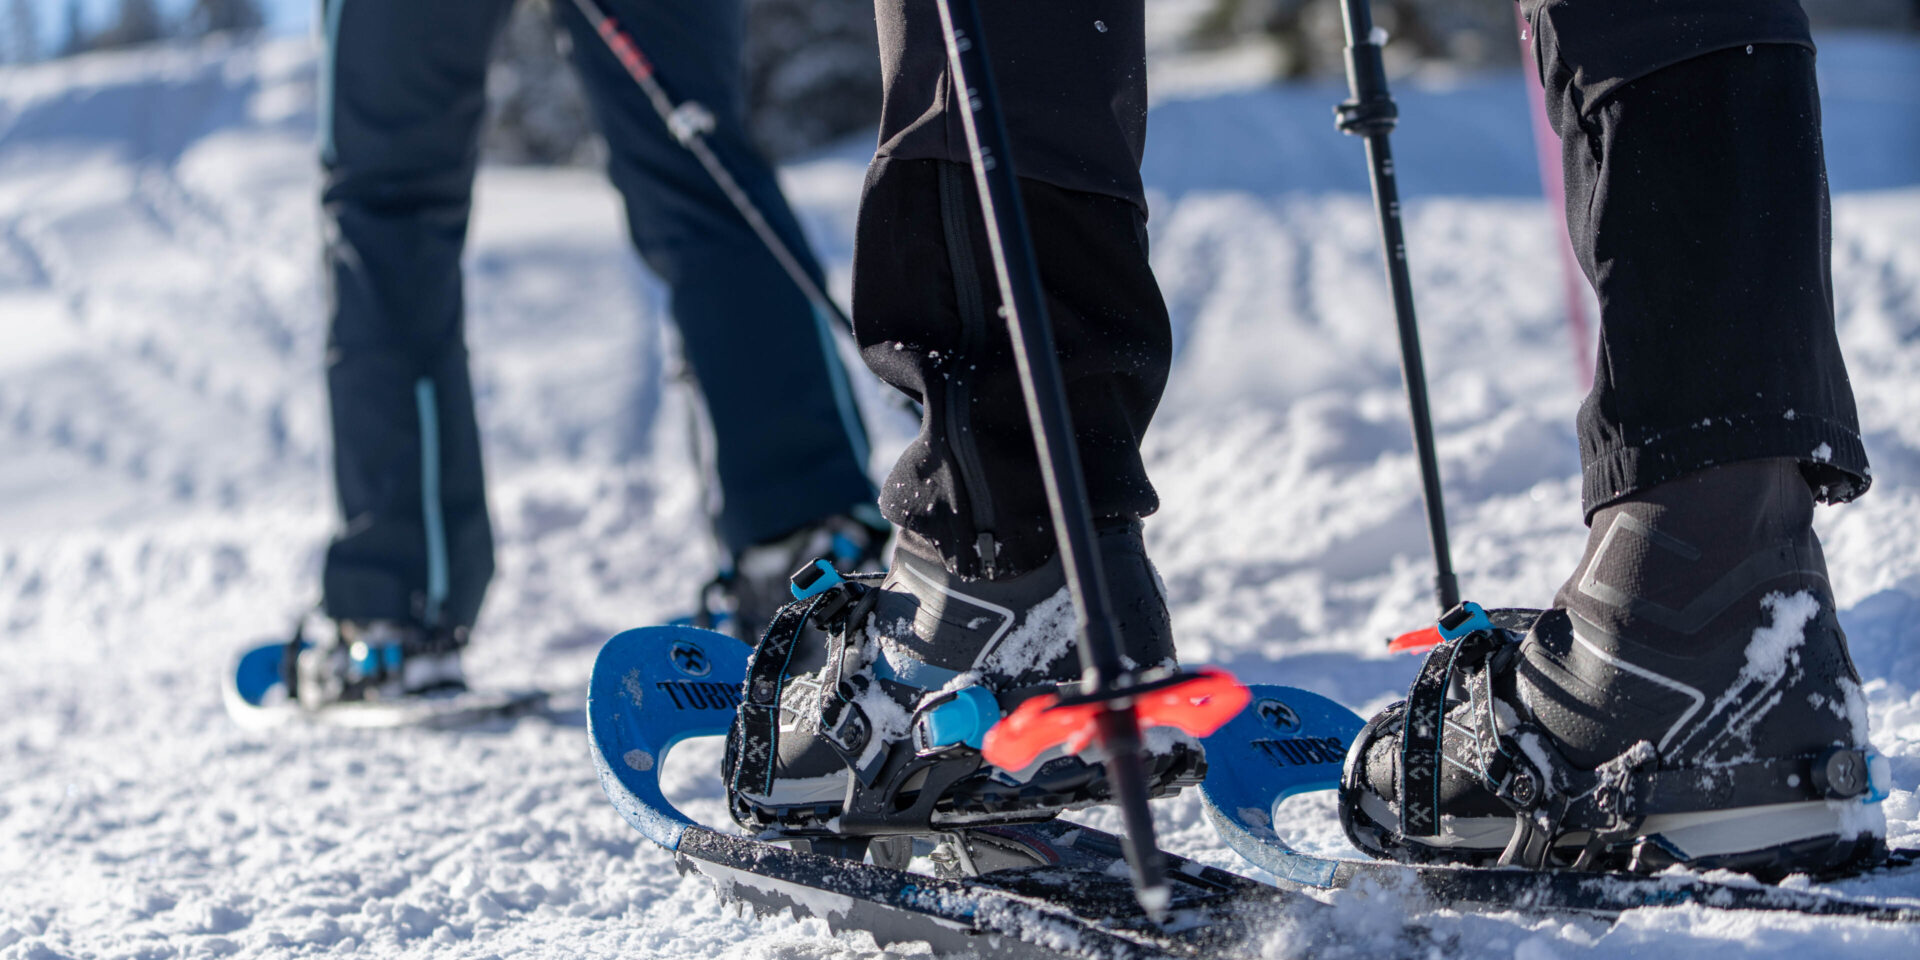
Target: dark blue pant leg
790,449
404,92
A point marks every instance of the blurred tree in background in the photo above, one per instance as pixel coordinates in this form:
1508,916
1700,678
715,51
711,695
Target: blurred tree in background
813,72
73,35
1308,39
1873,14
215,16
20,33
537,113
134,23
137,22
813,76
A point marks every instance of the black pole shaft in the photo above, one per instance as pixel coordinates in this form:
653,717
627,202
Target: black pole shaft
1024,307
1371,114
689,122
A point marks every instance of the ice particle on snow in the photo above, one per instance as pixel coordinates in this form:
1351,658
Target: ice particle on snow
485,906
413,921
212,918
1534,948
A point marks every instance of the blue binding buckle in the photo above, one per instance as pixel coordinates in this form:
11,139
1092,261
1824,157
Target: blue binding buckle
1879,779
964,719
1464,619
815,579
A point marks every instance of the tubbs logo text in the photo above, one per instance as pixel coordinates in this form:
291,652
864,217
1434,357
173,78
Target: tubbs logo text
698,695
1303,751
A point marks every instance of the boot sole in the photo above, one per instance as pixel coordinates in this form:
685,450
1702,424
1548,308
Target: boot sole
1822,838
1059,785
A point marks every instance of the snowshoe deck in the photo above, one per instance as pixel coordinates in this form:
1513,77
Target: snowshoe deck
256,698
655,687
1290,742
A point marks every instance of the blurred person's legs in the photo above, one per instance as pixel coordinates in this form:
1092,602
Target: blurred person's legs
404,95
1700,623
790,448
404,103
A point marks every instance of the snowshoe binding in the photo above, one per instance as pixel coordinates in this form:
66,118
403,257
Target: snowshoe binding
375,660
1688,700
750,588
867,701
366,674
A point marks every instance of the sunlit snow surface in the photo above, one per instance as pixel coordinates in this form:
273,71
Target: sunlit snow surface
163,500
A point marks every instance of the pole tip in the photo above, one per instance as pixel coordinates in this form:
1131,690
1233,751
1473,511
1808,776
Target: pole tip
1155,900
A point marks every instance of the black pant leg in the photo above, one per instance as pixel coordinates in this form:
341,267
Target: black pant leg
404,92
1697,202
926,317
1072,76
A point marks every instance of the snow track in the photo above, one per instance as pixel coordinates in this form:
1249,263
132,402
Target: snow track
163,501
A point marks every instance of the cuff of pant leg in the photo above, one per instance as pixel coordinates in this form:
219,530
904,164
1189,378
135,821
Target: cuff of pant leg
1829,452
368,593
776,508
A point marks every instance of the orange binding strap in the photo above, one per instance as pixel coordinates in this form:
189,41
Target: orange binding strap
1198,705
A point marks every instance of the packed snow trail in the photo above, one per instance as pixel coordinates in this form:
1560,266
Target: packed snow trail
164,499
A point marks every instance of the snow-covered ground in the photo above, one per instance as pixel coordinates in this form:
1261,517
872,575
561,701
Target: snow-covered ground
163,500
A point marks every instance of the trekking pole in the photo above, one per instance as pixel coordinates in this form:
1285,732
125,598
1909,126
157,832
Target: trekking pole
690,121
1371,114
1117,725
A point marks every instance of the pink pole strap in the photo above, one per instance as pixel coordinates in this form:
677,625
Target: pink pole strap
1546,146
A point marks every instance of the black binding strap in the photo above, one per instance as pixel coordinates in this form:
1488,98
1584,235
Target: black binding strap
755,743
756,738
1420,743
1423,729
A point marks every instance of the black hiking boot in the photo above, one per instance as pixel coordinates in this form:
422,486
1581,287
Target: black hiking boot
1688,700
866,703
